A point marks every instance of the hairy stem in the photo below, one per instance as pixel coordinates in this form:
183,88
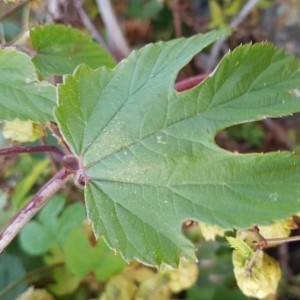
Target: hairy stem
32,149
32,207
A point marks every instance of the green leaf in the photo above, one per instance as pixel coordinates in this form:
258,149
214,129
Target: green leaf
35,238
240,246
149,152
64,281
22,96
50,227
61,49
11,270
82,257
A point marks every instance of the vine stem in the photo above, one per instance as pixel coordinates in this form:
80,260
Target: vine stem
32,207
277,241
32,149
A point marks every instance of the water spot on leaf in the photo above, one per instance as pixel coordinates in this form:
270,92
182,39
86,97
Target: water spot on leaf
159,140
295,92
273,197
29,80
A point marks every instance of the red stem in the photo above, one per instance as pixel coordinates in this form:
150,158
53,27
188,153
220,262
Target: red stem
32,207
189,83
33,149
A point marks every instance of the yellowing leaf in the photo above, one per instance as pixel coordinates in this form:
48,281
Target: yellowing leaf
217,16
22,131
184,277
121,286
258,280
154,288
138,272
210,232
279,229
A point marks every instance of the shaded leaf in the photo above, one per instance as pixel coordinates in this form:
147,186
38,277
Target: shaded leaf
149,152
61,49
51,228
22,96
82,257
11,270
64,282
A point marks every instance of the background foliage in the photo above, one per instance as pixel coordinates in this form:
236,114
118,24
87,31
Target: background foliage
48,254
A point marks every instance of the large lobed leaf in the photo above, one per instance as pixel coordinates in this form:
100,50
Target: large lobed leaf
22,95
61,49
150,153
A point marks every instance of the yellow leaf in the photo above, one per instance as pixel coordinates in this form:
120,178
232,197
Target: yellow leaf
22,131
184,277
279,229
154,288
210,232
120,287
258,279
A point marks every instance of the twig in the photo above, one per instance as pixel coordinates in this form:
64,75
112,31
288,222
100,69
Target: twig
176,18
55,184
116,40
89,24
235,22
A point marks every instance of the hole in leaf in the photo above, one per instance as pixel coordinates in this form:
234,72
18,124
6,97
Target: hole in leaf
262,136
192,74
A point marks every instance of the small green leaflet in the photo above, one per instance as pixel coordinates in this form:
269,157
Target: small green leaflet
22,95
61,49
150,151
